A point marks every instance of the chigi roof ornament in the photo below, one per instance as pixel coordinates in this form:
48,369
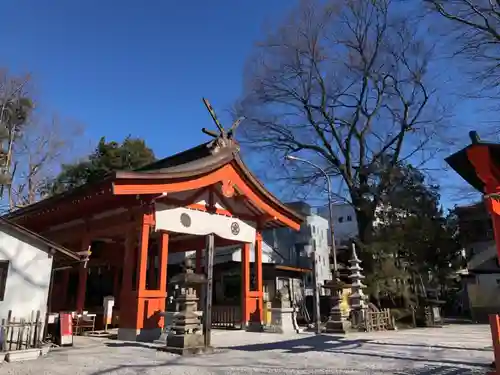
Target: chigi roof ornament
222,138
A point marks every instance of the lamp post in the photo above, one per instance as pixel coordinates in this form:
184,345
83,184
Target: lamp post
334,250
330,211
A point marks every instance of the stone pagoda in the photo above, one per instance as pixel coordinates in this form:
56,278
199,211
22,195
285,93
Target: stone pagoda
357,298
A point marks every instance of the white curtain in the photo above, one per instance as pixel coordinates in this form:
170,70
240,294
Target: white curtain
188,221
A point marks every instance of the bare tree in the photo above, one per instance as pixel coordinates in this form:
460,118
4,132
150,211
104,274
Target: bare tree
38,155
15,108
347,85
474,26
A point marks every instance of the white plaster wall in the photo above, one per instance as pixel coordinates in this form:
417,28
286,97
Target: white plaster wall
28,278
485,292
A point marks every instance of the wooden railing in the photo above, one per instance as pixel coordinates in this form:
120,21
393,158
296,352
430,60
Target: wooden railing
226,317
18,334
379,320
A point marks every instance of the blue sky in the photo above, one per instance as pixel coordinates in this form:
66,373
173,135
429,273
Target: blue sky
133,67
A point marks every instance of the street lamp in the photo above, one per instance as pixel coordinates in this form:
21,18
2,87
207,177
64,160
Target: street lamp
334,250
330,211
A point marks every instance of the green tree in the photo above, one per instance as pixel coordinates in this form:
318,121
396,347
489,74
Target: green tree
414,246
107,157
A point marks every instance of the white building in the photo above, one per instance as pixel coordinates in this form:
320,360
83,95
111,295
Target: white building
345,226
297,247
25,270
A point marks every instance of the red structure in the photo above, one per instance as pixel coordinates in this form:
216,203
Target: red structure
479,165
132,220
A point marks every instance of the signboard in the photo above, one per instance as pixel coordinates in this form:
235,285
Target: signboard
437,314
66,329
109,303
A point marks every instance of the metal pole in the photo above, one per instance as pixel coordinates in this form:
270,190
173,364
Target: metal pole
334,249
330,210
317,310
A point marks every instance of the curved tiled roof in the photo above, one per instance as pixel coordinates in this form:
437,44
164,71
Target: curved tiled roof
460,163
196,161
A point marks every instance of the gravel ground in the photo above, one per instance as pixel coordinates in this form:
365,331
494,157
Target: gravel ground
453,350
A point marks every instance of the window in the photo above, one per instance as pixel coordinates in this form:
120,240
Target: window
341,219
4,269
349,218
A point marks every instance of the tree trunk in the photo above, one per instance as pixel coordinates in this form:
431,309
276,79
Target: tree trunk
365,213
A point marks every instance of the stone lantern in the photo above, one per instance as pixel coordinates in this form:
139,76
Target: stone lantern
186,334
336,322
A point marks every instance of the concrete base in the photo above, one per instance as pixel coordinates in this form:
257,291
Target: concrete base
190,344
254,327
22,355
337,327
284,320
143,335
187,351
45,350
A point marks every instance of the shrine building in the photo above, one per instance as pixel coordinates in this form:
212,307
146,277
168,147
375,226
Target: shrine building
479,165
132,220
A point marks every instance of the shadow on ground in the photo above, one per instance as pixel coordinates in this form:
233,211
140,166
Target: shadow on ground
340,345
418,362
444,347
131,344
440,370
259,369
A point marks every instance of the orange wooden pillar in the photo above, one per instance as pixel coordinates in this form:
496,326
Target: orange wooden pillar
131,306
141,310
495,335
252,300
82,278
245,285
140,301
259,316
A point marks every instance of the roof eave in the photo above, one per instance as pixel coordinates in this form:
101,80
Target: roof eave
40,205
46,242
